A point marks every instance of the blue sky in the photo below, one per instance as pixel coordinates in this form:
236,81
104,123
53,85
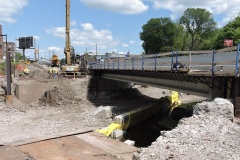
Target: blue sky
114,25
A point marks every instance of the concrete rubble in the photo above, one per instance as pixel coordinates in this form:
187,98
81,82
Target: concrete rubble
208,134
103,112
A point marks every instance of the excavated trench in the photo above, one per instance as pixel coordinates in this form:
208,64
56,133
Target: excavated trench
146,131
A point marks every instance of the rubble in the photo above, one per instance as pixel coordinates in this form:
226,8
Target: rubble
103,112
208,134
129,142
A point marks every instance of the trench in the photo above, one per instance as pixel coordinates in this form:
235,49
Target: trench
147,131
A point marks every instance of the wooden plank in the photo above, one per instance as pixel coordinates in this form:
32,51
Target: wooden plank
65,148
108,145
12,153
43,138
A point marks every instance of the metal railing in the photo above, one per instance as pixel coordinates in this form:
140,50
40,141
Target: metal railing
209,62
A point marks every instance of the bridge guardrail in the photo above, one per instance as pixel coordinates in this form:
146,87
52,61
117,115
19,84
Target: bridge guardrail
194,62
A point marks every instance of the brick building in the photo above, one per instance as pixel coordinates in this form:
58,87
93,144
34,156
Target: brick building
10,45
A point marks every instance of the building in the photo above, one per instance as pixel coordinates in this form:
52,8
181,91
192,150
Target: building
10,45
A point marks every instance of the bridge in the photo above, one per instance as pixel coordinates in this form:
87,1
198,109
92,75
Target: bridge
209,73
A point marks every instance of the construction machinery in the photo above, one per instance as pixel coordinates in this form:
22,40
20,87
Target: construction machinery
70,67
55,61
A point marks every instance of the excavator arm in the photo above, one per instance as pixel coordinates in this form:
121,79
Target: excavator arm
67,49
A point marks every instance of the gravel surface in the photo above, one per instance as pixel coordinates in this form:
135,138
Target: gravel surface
209,134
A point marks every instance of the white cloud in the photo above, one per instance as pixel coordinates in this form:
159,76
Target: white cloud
87,36
56,31
119,6
228,9
55,49
132,42
73,23
87,26
125,45
10,7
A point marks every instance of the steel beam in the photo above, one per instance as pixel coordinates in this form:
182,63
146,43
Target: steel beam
180,86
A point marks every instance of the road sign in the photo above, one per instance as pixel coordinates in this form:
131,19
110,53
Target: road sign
25,42
228,42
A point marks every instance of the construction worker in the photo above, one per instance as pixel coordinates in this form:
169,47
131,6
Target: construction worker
55,72
50,71
26,72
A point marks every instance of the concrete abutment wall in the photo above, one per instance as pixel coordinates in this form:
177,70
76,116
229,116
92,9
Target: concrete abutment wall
97,85
33,91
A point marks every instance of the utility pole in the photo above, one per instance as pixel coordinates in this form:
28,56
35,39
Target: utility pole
9,98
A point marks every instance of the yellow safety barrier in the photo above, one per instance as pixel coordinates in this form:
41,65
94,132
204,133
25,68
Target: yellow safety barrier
174,102
108,130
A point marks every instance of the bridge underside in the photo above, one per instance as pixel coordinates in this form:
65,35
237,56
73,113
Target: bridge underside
178,81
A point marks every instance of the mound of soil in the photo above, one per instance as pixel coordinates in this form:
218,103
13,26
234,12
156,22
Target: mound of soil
59,97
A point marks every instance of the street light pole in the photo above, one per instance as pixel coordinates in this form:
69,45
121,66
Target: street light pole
8,73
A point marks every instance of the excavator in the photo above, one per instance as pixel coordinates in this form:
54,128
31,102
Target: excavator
71,66
55,61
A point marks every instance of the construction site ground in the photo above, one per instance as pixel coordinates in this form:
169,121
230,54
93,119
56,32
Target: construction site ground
64,126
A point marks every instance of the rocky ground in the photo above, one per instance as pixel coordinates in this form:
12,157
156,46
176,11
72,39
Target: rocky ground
209,134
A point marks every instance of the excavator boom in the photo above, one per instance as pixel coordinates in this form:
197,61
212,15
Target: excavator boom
67,36
71,66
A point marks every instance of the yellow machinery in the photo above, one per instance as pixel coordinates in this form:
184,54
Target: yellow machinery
55,61
71,66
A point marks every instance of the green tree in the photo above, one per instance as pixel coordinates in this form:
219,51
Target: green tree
199,24
18,56
182,39
158,35
229,31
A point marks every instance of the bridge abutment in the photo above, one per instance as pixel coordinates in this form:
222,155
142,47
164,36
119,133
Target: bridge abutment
97,85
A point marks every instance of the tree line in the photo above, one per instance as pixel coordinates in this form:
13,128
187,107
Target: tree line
194,30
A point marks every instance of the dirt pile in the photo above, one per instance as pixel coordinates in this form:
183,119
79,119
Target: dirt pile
59,97
36,71
208,134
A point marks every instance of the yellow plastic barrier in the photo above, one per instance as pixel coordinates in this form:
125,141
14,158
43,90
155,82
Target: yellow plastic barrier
108,130
174,102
